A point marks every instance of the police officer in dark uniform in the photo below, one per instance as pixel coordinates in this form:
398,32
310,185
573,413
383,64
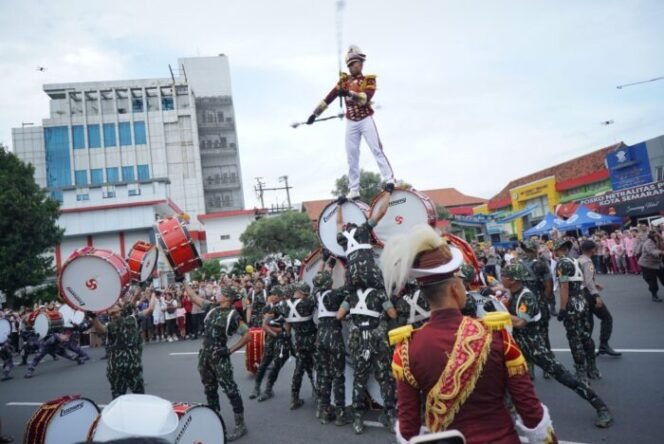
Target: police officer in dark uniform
525,308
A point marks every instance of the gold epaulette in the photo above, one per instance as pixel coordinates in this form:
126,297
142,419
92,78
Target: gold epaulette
398,335
343,76
497,320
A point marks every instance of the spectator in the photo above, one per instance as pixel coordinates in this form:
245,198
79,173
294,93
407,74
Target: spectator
619,254
650,262
170,306
188,318
158,318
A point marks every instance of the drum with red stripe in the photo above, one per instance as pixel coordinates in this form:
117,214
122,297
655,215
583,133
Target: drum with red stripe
93,279
313,264
354,211
198,424
63,420
174,239
254,351
407,208
142,261
47,322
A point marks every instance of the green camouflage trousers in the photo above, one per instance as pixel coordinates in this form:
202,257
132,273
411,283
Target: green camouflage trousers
125,372
216,370
579,336
305,348
370,351
277,351
330,363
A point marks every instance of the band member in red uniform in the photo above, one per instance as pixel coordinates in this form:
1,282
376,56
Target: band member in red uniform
358,91
462,366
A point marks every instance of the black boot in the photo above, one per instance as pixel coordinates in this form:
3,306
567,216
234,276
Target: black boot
267,394
606,349
341,417
358,422
240,428
296,402
257,391
656,298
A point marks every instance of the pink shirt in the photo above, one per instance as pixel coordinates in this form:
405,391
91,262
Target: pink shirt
629,246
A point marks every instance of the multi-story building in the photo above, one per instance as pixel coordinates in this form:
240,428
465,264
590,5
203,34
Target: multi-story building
105,144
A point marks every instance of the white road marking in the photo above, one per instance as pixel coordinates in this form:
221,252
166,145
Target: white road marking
621,350
195,353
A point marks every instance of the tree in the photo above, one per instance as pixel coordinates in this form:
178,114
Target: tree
211,269
443,213
370,185
290,233
28,225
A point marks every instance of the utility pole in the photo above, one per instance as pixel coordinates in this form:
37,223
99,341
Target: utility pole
284,179
259,190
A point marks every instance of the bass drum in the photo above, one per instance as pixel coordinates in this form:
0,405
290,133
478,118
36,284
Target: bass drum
254,350
70,316
354,211
47,322
407,208
63,420
312,265
198,424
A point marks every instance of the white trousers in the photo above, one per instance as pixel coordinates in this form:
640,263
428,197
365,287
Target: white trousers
354,133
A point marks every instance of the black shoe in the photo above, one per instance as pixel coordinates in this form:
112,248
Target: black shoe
606,349
656,299
6,378
604,418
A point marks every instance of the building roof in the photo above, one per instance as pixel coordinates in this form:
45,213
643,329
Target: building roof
447,197
231,213
582,170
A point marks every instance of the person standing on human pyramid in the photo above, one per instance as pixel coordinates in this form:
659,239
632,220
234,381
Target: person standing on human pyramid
358,90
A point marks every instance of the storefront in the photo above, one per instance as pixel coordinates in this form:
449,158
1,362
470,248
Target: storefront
640,203
538,197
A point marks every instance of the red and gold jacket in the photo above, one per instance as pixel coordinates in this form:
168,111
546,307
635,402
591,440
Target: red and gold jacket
358,103
463,367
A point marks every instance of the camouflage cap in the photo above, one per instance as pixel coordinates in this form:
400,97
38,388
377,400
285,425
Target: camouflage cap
529,246
561,243
289,290
467,273
303,288
277,290
323,279
231,293
516,272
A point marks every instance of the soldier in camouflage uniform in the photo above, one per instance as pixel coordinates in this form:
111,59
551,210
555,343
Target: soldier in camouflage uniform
330,348
366,301
300,319
255,303
574,312
277,344
125,368
214,359
524,306
412,307
7,360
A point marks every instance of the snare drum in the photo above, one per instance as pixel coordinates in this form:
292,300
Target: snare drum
198,424
63,420
5,330
174,240
47,322
312,265
93,279
354,211
407,208
254,352
142,261
71,317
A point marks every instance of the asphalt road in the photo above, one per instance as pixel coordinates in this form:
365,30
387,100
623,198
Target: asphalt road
631,385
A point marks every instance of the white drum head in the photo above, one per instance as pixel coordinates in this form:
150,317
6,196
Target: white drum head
137,415
405,211
5,330
327,224
200,424
67,314
41,325
91,283
149,262
71,422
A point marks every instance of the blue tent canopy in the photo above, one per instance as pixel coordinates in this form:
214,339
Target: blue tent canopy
584,219
544,227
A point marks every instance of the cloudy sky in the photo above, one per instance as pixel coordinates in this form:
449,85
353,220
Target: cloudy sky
471,94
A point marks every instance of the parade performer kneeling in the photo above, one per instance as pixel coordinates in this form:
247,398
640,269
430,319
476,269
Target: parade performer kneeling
461,365
214,359
358,91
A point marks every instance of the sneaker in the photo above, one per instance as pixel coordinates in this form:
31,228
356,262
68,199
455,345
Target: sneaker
353,195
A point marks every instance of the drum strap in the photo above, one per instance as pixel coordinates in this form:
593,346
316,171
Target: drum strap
323,312
293,315
578,273
361,307
353,245
417,313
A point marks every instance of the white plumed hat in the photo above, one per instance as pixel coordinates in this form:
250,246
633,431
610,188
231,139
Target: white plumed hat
354,54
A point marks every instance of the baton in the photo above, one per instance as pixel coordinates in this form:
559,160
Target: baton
338,116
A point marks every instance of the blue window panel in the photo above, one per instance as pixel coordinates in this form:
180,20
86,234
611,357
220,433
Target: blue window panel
125,133
139,133
96,176
167,103
81,177
137,105
112,175
58,165
143,172
80,197
78,136
94,137
58,195
128,174
109,135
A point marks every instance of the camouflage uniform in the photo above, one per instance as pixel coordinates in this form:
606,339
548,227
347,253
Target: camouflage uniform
526,306
301,319
369,349
538,274
330,348
125,367
7,360
276,349
362,270
257,303
576,320
214,363
412,308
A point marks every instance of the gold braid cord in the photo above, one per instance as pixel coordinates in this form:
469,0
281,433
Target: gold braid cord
408,376
463,369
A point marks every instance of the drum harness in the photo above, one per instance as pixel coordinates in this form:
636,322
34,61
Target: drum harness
365,326
323,312
353,245
518,302
293,315
417,313
579,302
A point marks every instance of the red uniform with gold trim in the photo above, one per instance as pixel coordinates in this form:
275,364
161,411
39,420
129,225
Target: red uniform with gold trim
358,104
464,369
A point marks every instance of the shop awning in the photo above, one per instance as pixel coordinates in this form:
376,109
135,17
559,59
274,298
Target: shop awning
544,227
517,215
